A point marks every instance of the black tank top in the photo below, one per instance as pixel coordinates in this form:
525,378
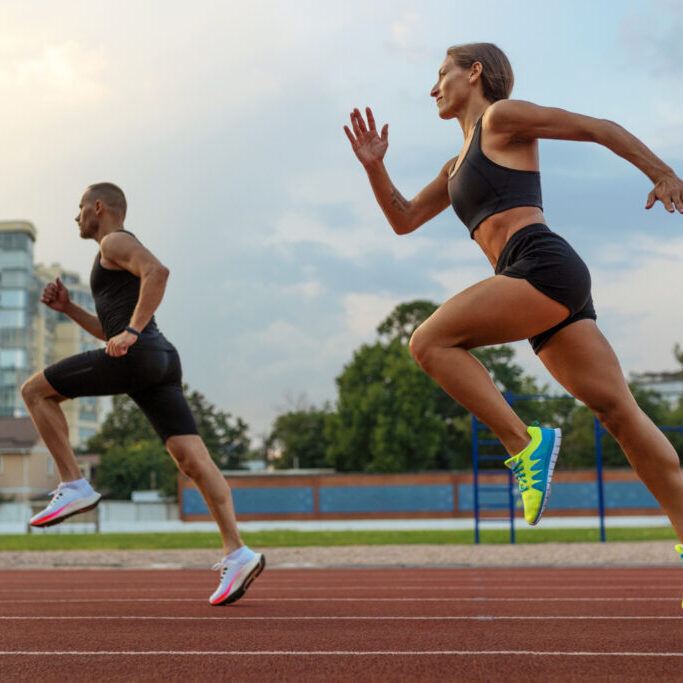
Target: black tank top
480,187
116,294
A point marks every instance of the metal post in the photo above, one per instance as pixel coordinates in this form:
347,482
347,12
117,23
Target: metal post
475,471
511,494
599,431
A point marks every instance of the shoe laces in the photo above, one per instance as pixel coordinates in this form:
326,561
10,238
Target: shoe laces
224,566
57,493
518,471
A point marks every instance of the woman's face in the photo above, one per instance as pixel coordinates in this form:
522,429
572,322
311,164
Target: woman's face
451,88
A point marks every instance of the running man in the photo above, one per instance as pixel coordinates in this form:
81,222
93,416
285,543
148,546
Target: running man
541,288
128,284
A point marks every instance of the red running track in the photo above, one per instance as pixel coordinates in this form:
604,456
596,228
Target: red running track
344,625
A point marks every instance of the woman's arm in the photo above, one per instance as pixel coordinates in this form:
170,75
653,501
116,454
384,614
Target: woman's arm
520,121
403,215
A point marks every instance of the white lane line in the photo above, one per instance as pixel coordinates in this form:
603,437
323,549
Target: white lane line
329,653
483,617
256,599
506,587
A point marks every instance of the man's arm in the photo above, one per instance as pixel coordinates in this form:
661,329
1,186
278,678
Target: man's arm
119,250
56,296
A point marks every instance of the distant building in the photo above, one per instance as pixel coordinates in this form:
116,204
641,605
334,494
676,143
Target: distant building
667,384
33,336
57,337
18,301
26,467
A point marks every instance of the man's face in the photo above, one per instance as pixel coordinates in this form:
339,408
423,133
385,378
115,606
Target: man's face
87,219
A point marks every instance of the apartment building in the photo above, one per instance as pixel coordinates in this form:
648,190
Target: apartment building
31,337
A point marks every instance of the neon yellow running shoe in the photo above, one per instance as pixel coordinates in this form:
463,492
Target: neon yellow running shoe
534,467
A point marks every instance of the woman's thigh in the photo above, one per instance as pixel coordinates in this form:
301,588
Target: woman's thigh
581,359
494,311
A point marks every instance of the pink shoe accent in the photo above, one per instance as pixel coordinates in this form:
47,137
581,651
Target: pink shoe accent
227,592
53,515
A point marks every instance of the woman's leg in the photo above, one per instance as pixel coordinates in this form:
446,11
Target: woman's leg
581,359
494,311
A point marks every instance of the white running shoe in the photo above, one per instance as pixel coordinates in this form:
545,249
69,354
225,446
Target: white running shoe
236,576
66,501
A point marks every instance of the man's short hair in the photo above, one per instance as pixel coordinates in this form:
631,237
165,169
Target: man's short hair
110,195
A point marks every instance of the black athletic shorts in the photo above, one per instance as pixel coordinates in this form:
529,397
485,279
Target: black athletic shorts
151,377
547,261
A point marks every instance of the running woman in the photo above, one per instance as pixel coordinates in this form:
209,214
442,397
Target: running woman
541,288
128,284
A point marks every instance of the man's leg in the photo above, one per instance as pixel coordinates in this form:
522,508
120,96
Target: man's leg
194,460
74,494
42,402
240,565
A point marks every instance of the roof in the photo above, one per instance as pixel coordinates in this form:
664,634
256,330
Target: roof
17,434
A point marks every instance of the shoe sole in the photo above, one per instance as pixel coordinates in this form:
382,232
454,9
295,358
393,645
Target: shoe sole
234,597
551,469
57,520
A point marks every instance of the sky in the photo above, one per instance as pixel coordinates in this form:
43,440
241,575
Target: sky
223,123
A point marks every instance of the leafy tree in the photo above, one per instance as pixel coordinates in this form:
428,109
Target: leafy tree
386,418
137,466
132,456
405,319
300,436
392,417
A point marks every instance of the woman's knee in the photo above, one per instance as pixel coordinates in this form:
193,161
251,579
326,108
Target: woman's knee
423,348
615,412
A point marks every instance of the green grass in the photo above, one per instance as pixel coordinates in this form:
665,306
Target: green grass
285,538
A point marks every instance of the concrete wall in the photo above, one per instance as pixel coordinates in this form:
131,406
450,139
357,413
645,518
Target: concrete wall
438,495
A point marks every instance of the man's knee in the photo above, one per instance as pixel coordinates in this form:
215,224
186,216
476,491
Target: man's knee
189,453
34,389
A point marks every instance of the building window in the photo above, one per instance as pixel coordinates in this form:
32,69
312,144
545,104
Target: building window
12,318
12,358
13,298
84,434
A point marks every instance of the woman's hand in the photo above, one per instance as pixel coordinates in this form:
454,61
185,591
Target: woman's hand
368,146
668,190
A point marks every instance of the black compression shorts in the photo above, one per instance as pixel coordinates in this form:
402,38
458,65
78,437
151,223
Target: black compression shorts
548,262
151,377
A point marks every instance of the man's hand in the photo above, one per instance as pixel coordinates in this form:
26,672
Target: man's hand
118,346
56,296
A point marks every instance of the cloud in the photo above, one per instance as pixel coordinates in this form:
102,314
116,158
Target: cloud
66,73
404,28
364,312
638,303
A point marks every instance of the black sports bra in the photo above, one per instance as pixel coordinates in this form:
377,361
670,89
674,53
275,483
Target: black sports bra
480,187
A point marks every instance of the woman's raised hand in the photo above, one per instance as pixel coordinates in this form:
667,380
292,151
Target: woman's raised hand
368,146
668,190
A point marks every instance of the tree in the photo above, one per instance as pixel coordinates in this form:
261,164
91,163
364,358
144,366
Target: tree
300,436
132,456
386,418
392,417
